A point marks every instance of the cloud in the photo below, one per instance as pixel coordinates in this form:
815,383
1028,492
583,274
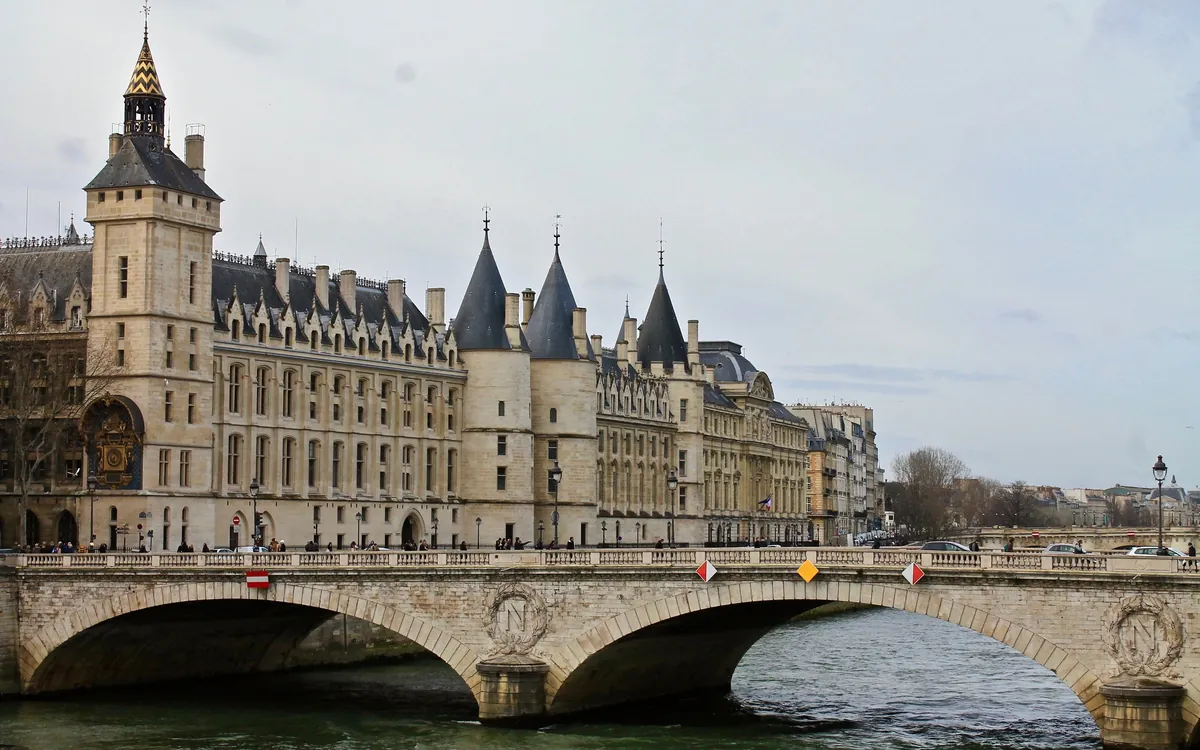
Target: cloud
834,387
1022,314
405,73
882,374
73,150
244,41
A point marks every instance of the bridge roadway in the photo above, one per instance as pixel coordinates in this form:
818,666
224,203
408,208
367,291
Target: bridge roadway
558,632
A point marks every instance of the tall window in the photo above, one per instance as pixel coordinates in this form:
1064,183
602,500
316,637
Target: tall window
260,391
360,465
235,389
501,477
123,276
552,450
683,463
289,392
313,458
262,445
451,455
233,460
385,461
553,416
168,398
501,445
164,467
185,468
192,282
285,480
336,466
500,409
430,469
683,410
191,413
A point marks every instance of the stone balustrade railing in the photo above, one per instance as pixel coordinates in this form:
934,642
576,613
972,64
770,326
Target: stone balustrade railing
790,557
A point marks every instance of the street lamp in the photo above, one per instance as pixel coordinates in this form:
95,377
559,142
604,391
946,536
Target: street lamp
637,533
618,534
556,477
254,487
478,521
1160,473
541,527
358,517
316,532
92,485
604,533
672,485
433,541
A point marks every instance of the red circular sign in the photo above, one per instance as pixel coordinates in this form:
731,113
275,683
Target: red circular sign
237,521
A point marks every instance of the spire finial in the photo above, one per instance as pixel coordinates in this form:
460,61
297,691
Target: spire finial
557,224
486,210
627,305
146,20
660,247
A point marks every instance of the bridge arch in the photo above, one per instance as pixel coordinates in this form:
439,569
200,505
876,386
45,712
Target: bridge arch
42,671
595,657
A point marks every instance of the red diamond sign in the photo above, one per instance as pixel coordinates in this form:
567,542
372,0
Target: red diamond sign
706,571
913,574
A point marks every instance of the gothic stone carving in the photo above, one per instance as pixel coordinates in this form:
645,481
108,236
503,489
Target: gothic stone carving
516,618
1143,634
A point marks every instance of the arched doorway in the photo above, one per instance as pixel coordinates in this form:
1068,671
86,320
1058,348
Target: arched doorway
411,531
33,528
67,529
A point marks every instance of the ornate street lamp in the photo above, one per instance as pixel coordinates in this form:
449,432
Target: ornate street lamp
604,533
92,484
672,485
556,477
358,517
1160,473
541,528
254,487
433,541
478,521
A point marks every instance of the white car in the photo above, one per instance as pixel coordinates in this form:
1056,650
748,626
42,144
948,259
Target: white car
1152,551
1066,549
944,547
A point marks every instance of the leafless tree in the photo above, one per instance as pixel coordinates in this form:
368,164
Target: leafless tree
45,383
975,500
1015,505
927,480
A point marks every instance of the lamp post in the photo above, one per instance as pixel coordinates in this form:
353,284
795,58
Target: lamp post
637,533
92,484
672,485
254,487
1160,473
604,533
433,541
358,517
541,528
555,476
478,521
618,535
316,532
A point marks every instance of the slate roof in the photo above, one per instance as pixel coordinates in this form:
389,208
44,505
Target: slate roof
660,339
778,411
714,397
621,334
726,360
480,320
143,161
551,330
56,267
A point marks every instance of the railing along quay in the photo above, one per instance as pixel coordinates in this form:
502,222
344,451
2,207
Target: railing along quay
789,557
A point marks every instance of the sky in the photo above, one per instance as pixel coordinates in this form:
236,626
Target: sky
977,217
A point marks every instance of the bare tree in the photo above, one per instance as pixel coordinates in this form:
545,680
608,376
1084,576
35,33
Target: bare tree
975,500
45,383
1016,505
927,480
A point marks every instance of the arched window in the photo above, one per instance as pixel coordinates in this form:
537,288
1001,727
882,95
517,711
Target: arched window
262,447
235,389
360,465
262,333
285,478
235,330
289,393
260,391
233,460
287,337
385,469
451,458
314,453
336,466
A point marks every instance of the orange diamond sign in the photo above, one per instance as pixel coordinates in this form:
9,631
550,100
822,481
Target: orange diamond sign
808,571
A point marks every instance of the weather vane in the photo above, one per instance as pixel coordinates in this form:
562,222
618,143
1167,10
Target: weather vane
146,22
660,245
557,224
486,208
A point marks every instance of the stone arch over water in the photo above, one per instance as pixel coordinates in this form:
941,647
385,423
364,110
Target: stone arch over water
698,638
129,637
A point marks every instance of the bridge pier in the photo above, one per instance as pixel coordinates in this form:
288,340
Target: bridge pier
1141,713
512,690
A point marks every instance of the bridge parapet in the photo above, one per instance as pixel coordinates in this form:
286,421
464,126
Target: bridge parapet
791,557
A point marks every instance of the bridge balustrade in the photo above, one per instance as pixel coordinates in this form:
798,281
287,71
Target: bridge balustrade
784,557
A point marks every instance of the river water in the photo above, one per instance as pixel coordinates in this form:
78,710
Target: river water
877,679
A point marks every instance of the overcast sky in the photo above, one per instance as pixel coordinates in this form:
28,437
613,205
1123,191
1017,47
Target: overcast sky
978,217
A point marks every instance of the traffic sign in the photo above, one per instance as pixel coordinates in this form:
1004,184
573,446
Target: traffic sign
913,574
258,579
807,571
706,571
237,521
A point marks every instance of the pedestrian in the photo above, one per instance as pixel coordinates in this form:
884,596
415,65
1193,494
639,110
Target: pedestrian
103,548
1008,546
203,548
329,547
463,545
1191,554
282,546
876,545
570,542
658,544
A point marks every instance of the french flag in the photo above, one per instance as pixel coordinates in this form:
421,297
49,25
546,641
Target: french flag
765,504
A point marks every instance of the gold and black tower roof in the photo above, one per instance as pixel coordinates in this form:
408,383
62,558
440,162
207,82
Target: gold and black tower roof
145,103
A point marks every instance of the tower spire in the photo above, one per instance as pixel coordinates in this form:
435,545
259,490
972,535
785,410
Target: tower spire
660,248
146,21
145,103
557,224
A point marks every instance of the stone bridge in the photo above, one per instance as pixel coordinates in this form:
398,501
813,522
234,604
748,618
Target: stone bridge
560,632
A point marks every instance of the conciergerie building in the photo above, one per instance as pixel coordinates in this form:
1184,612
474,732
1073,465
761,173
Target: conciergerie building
341,411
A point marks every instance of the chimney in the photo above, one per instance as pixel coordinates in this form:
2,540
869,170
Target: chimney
526,307
579,328
321,285
283,285
597,345
631,340
193,153
114,144
395,298
693,353
435,308
348,289
512,311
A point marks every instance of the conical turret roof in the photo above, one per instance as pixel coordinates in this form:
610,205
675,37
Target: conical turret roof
144,81
551,330
480,320
660,339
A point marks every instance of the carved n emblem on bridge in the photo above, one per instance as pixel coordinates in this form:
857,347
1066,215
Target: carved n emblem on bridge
516,618
1143,634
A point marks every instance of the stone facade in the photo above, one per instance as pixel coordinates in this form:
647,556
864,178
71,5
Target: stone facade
357,415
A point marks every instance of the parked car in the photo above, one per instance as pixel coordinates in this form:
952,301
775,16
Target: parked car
944,547
222,551
1142,551
1066,549
258,548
